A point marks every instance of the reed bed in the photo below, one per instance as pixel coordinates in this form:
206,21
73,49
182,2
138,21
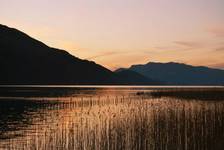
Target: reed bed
212,94
120,123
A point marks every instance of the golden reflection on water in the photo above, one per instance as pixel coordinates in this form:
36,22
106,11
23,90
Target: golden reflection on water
114,121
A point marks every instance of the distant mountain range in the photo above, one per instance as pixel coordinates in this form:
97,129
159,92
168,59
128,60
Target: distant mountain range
24,60
179,74
132,77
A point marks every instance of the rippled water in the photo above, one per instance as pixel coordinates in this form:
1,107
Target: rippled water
108,118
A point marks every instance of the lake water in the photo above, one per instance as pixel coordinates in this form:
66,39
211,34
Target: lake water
111,118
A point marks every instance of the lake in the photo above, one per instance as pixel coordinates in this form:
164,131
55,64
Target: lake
111,117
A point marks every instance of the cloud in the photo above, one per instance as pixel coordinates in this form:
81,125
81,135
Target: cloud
217,31
188,44
102,55
179,46
161,47
132,52
220,49
165,48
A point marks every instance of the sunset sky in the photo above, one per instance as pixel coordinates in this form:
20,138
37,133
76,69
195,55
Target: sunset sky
119,33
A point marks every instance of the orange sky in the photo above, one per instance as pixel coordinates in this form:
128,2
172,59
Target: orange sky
121,33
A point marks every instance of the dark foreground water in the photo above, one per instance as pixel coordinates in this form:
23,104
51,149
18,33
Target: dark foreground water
112,118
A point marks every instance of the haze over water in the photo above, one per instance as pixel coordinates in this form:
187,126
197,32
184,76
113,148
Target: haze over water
110,118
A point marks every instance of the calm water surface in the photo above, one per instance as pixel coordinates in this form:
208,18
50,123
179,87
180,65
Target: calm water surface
110,118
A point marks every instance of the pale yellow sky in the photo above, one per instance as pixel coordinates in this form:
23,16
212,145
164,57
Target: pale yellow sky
121,33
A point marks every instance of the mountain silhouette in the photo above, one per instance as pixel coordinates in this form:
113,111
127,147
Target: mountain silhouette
24,60
132,77
180,74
